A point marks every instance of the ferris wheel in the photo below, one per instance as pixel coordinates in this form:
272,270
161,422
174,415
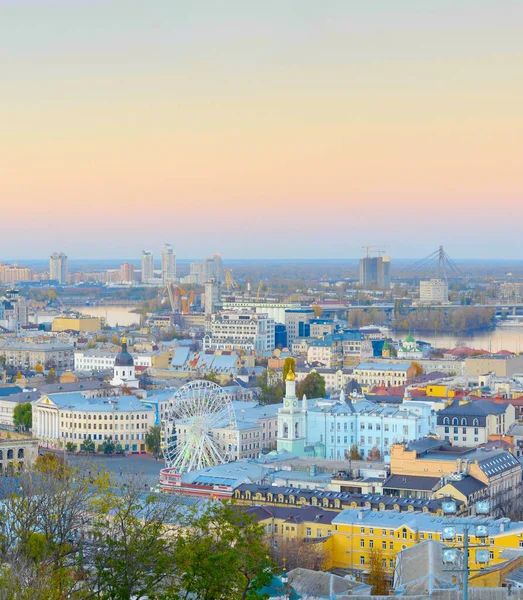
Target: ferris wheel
195,412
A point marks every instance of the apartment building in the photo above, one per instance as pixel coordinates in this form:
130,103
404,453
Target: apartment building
27,355
230,330
387,374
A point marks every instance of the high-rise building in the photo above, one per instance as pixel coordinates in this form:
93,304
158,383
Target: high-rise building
168,264
58,267
147,266
375,270
126,272
212,296
433,291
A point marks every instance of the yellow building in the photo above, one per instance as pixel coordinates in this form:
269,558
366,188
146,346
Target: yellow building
358,533
439,391
77,323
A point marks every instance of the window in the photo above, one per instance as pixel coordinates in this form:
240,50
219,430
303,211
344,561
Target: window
371,531
371,543
463,421
391,563
362,560
383,545
362,530
475,423
391,545
308,531
362,543
446,421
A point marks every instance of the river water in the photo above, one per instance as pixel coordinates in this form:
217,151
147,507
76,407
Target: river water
506,338
113,314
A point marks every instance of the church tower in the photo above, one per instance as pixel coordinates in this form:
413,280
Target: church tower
124,369
292,420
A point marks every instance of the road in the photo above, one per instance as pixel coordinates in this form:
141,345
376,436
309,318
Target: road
122,468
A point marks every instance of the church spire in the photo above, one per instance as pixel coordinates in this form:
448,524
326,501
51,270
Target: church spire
304,403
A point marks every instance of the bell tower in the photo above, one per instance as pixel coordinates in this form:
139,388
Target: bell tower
292,420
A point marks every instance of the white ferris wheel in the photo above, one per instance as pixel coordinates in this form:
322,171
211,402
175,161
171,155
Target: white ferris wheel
195,411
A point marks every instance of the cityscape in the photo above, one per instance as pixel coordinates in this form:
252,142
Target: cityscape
261,306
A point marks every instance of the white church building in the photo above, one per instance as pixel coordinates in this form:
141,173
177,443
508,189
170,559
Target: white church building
327,428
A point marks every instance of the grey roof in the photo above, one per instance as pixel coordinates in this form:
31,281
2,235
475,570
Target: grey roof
475,408
411,482
322,585
421,570
468,485
383,367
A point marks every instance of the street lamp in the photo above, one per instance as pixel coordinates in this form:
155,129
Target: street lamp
448,534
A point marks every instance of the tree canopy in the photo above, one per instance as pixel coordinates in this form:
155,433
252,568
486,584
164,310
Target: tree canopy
313,386
23,416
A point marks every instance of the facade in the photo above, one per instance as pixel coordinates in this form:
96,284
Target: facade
27,355
409,350
124,369
275,310
498,365
240,330
10,274
326,352
101,360
17,454
330,428
297,321
147,266
14,310
212,296
387,374
433,291
499,470
62,418
375,270
469,423
168,264
77,323
58,267
126,273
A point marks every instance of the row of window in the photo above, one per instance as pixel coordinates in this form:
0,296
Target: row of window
455,421
105,417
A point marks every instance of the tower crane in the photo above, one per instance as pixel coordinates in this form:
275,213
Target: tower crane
230,284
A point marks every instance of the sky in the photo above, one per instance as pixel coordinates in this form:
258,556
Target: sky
261,128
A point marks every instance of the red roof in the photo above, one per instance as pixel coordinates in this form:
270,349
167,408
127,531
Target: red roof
505,353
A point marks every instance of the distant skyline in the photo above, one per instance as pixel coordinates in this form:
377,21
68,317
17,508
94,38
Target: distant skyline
274,129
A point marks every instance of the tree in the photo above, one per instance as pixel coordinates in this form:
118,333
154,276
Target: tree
51,376
23,416
212,376
288,365
318,310
70,447
300,553
268,393
374,454
377,578
42,513
313,386
153,440
417,366
354,453
134,557
39,368
107,447
221,555
87,446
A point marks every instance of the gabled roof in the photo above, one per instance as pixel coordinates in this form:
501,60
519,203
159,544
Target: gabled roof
474,408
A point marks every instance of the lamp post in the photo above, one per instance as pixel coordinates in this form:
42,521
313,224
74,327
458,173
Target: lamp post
479,531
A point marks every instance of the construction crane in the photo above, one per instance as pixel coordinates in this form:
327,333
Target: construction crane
377,249
230,284
179,299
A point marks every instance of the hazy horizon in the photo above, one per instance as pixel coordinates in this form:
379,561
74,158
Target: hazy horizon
261,129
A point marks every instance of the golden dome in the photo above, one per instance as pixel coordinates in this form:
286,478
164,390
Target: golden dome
290,376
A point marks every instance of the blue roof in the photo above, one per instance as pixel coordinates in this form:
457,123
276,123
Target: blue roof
9,391
77,401
180,356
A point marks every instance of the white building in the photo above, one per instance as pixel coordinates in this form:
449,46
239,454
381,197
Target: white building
243,330
381,373
101,360
327,428
168,264
62,418
433,291
124,369
58,267
147,266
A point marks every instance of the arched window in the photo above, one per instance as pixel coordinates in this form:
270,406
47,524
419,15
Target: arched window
296,430
446,421
455,421
9,454
20,453
475,423
1,455
285,430
463,421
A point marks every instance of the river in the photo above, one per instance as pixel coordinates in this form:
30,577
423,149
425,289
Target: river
113,314
506,338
